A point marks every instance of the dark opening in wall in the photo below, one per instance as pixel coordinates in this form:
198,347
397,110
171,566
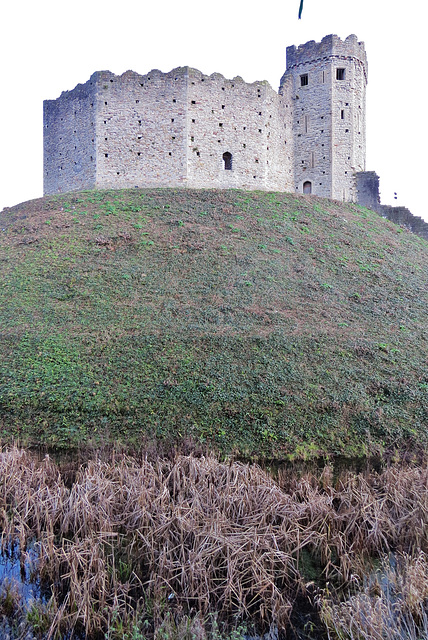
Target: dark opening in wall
304,80
193,102
340,74
342,114
227,161
193,120
307,187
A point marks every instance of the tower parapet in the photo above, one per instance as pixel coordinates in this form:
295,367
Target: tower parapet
330,46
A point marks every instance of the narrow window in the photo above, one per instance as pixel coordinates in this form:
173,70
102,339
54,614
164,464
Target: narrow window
307,187
304,80
342,114
340,74
312,159
227,161
306,124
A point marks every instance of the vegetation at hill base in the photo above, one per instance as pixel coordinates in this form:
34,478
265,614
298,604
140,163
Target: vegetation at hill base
189,548
263,325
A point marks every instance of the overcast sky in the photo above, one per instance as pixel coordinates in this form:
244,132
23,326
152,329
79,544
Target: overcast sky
48,46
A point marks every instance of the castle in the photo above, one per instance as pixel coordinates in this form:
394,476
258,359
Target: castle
184,128
187,129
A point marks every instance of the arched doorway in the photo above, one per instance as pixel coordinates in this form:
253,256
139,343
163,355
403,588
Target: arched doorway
227,161
307,187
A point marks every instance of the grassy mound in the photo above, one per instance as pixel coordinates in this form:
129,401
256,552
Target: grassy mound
263,324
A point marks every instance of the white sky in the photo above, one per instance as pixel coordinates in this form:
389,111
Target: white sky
49,46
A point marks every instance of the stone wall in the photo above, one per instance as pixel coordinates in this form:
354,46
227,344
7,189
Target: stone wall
69,140
240,119
141,129
368,196
168,129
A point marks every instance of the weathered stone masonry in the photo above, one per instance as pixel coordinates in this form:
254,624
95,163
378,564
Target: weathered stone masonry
184,128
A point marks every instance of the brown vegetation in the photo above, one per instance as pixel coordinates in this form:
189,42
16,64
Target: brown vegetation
141,542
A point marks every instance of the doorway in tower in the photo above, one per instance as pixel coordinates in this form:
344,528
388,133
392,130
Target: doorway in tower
307,187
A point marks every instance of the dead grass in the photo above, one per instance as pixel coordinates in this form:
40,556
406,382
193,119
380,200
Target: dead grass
155,538
393,604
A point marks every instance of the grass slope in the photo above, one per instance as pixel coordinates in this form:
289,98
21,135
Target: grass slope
264,324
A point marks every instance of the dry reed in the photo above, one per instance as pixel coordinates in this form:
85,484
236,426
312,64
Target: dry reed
162,537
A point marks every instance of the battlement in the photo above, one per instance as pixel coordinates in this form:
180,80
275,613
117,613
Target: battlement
330,46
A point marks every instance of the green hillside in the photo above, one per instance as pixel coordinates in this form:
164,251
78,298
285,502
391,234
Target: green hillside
261,324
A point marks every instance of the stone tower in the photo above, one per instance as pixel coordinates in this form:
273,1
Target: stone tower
325,84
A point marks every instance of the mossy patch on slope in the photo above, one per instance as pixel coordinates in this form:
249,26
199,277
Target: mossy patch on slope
259,323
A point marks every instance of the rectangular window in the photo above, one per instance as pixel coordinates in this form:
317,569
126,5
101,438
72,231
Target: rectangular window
306,124
342,114
304,80
340,74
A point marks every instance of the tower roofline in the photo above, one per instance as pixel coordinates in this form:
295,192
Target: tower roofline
330,46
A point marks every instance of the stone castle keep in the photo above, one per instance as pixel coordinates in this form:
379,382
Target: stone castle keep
184,128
